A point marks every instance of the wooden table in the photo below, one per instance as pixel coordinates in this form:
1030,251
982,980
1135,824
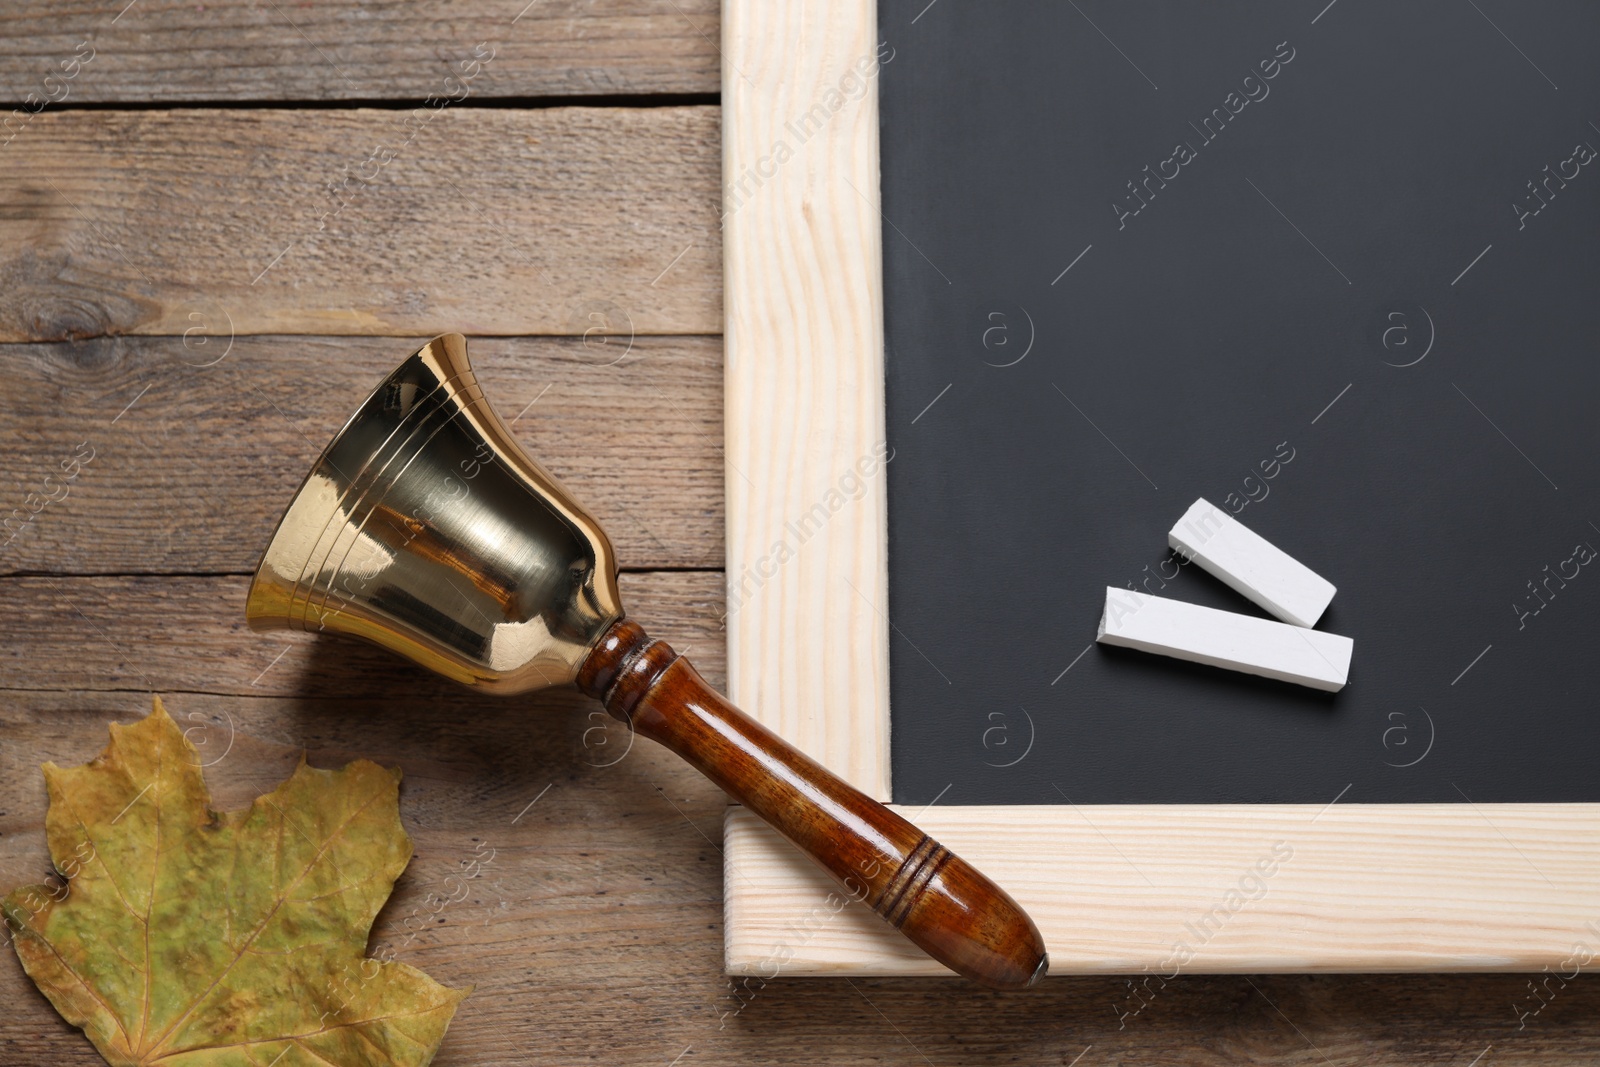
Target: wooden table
237,219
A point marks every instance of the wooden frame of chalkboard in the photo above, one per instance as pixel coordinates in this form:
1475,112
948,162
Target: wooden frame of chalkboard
1163,889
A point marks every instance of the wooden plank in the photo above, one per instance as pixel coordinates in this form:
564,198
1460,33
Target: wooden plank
163,51
600,869
807,579
553,221
602,908
1253,888
166,633
193,464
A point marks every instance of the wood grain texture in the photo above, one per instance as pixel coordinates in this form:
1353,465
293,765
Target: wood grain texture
602,908
165,51
1251,888
562,221
807,578
873,855
194,464
172,633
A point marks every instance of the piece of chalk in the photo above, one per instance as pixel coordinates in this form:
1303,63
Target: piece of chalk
1250,564
1225,639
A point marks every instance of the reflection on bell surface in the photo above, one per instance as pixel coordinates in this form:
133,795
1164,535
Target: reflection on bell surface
424,527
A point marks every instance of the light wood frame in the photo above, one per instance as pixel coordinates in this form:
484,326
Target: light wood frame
1116,888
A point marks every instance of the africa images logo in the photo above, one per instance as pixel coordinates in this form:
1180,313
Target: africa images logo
1255,90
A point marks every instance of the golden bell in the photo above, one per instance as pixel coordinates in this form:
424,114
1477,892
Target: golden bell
424,527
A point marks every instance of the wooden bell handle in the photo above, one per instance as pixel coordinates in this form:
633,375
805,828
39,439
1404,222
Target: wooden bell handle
918,886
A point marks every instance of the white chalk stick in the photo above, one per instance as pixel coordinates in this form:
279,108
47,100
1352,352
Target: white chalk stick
1225,639
1251,565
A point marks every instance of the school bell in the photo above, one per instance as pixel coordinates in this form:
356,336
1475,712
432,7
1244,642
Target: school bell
425,528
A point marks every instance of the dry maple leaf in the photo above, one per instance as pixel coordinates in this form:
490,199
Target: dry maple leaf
192,938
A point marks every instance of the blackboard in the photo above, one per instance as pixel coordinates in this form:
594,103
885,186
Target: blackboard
1359,310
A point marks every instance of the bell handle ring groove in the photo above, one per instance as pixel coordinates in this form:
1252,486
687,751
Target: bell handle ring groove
933,897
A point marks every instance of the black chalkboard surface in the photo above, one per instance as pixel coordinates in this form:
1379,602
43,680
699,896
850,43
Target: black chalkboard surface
1331,266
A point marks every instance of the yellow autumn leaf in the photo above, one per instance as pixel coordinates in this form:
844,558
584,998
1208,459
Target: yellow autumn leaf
192,938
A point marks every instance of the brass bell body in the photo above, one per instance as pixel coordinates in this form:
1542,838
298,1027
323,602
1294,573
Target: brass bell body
425,528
